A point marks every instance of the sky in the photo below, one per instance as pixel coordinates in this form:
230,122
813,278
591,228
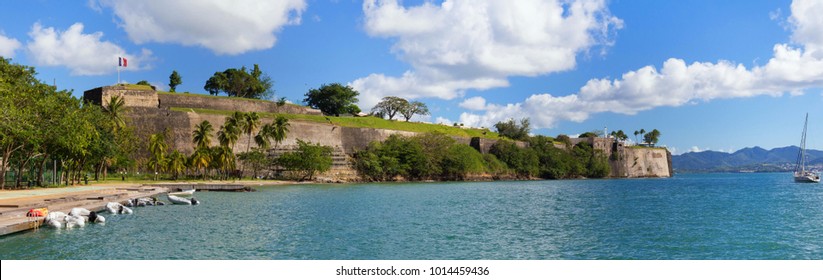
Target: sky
709,75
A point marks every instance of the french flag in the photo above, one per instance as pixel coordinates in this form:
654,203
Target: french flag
121,61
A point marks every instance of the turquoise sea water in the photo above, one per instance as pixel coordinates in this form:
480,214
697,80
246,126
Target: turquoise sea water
691,216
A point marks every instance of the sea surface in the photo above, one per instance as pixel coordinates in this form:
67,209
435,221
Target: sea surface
689,216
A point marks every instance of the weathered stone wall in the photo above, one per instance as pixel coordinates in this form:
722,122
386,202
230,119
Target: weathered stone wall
184,100
131,97
639,162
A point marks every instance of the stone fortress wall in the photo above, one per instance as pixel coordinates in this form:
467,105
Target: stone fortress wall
150,113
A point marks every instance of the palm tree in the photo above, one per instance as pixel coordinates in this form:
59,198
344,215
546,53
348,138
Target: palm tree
280,127
233,127
642,132
115,110
157,147
251,123
635,136
223,159
201,158
176,163
201,136
264,136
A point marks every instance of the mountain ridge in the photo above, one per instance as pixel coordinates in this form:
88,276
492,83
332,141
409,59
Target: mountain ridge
746,159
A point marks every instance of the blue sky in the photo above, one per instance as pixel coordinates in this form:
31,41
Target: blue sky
718,75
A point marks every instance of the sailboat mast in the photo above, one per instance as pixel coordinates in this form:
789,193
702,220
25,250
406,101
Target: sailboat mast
803,147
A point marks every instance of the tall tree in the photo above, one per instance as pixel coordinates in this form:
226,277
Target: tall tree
414,108
250,124
176,164
280,127
652,137
201,136
115,110
174,81
333,99
512,130
241,83
157,148
390,106
642,133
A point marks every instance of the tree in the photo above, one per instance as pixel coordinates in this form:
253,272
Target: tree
174,81
333,99
390,106
652,137
280,128
176,164
240,83
257,159
642,132
414,108
144,83
201,136
251,122
115,110
201,159
587,135
308,160
619,135
157,148
514,131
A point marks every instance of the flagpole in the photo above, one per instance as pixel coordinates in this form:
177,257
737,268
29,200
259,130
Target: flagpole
118,73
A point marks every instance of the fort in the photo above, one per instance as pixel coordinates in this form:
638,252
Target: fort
151,112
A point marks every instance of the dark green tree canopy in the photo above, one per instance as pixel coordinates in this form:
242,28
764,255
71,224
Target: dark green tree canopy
333,99
514,131
144,83
241,83
652,137
174,81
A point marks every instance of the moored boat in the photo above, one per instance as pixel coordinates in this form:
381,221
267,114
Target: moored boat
801,175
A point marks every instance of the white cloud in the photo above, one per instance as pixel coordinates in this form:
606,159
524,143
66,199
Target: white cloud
696,149
476,103
84,54
224,27
8,46
461,45
790,70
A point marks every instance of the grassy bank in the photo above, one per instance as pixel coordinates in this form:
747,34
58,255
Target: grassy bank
366,122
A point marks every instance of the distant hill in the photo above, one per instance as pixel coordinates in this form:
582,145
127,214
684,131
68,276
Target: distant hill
748,159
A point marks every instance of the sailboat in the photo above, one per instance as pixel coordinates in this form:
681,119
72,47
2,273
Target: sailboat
801,175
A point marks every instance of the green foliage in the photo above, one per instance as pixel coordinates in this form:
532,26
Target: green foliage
389,106
523,161
620,135
461,160
333,99
256,159
423,157
588,134
174,80
308,160
366,122
414,108
201,136
513,130
240,83
143,83
652,137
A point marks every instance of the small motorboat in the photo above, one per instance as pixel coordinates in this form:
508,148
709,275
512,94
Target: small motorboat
182,200
186,193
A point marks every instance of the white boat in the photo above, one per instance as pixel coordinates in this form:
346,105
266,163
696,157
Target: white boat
183,193
801,175
182,200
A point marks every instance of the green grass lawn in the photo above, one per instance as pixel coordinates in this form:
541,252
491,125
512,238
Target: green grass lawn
366,122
